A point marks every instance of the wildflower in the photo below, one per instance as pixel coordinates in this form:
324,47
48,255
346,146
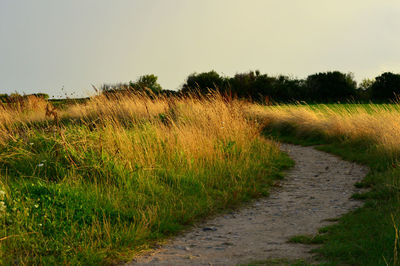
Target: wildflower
36,205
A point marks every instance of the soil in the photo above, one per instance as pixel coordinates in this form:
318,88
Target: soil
316,190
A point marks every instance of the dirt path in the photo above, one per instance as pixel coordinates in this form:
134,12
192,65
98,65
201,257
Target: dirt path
317,188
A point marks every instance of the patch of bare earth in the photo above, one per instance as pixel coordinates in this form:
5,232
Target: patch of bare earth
319,187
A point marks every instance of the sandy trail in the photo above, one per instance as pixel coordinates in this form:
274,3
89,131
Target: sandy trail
317,188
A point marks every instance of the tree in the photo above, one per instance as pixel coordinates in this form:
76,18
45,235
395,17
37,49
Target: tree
366,84
252,84
204,82
364,89
386,86
286,89
243,85
330,86
147,82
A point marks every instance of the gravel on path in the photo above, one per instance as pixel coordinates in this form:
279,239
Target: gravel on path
317,188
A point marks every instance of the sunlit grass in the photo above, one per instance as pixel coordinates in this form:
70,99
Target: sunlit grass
377,123
368,134
115,174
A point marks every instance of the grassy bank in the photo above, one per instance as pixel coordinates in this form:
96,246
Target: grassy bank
105,179
367,134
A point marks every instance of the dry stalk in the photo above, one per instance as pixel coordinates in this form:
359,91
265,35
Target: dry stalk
51,112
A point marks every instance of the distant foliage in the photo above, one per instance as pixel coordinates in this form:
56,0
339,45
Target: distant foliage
18,98
41,95
322,87
146,83
364,90
3,97
261,86
330,86
204,82
386,87
366,84
252,85
247,84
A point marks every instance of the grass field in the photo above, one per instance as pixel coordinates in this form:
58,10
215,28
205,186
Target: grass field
100,181
367,134
108,178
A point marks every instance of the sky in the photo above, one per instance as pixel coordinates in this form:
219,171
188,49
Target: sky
61,47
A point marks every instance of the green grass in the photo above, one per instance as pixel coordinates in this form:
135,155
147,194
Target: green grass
365,236
63,103
69,200
370,108
100,192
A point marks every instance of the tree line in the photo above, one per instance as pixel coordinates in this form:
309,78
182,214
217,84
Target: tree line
324,87
331,86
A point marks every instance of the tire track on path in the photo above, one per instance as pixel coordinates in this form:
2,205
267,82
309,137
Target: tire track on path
317,188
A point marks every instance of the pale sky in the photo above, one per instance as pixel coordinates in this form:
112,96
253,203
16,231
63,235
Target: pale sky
48,44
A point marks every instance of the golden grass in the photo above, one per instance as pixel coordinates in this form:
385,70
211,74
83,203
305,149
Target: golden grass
190,125
352,129
377,123
138,168
195,123
26,110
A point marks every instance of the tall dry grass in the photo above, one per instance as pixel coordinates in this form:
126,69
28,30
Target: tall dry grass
192,125
364,133
379,124
115,173
20,113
